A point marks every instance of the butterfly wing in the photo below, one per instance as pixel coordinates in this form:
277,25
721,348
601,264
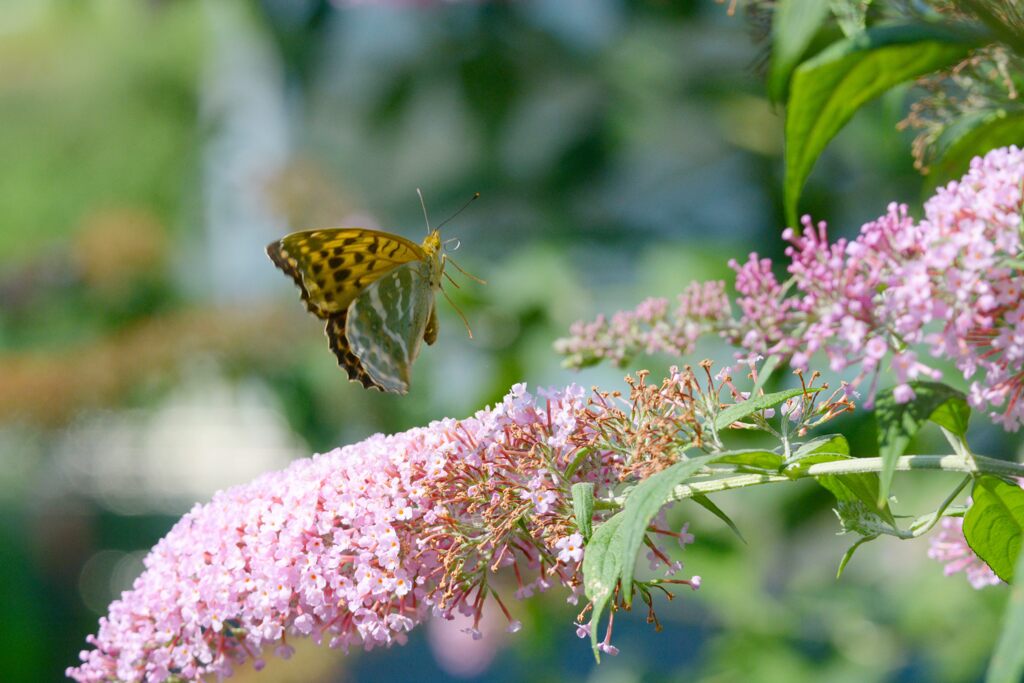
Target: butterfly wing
387,321
335,330
332,266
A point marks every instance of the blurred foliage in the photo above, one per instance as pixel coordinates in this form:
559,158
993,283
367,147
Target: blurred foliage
622,147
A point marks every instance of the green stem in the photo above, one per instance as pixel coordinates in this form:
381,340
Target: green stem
975,465
924,525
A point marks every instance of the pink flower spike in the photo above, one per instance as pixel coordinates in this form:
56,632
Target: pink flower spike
355,547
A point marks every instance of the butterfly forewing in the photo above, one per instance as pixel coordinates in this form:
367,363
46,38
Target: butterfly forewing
332,266
387,321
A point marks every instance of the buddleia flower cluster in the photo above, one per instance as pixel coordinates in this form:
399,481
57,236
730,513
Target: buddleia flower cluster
905,295
355,547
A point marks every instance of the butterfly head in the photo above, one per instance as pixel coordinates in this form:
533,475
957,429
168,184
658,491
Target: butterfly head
432,243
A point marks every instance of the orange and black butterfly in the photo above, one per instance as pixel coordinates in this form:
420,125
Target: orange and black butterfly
375,290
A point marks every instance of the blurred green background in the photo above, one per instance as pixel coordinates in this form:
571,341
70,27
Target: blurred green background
150,354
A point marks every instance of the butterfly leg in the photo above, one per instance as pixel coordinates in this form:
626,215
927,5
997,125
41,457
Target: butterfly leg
430,334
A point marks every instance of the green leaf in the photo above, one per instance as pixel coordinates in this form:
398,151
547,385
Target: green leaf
848,555
583,508
641,505
740,410
766,370
975,136
798,468
822,449
851,15
577,461
794,24
602,566
898,423
828,89
860,487
994,524
1007,664
760,459
830,443
709,505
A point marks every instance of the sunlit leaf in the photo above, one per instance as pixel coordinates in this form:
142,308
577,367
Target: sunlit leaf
642,504
750,406
861,488
602,566
756,458
794,24
826,90
898,423
994,524
583,508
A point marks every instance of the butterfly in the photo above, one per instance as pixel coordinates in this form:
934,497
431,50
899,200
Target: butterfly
376,293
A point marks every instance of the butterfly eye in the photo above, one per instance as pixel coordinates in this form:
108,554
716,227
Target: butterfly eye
452,244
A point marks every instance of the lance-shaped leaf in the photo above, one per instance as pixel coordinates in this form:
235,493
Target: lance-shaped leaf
898,423
642,504
583,507
754,458
794,23
602,567
826,90
709,505
743,409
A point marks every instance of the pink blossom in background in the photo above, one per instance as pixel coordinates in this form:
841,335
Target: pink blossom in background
356,546
950,546
460,654
767,315
652,327
948,286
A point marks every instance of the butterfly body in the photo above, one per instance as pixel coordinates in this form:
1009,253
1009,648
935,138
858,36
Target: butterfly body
374,290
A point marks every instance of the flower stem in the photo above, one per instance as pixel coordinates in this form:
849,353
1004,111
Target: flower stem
974,465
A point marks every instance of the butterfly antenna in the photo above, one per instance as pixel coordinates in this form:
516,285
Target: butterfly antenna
459,311
424,205
476,195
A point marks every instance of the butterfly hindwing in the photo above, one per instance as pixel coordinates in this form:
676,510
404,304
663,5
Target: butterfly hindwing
335,330
332,266
387,321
